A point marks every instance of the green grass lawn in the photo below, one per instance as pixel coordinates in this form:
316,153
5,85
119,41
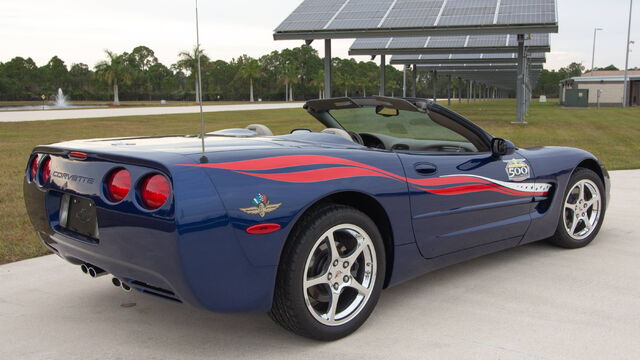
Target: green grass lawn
610,133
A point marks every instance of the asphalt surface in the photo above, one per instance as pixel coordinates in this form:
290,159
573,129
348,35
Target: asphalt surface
37,115
532,302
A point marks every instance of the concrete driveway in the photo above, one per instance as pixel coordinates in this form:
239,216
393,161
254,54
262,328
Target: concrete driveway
533,302
37,115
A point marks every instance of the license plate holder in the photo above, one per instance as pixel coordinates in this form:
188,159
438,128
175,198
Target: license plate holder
78,215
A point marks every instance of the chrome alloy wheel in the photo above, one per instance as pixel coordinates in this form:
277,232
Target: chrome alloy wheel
582,209
339,274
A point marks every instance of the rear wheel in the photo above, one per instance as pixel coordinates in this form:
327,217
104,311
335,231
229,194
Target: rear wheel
582,210
331,274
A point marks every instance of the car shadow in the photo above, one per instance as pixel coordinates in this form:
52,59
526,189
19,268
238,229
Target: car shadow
173,330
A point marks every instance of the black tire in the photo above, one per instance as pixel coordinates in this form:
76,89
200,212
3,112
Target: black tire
289,306
562,237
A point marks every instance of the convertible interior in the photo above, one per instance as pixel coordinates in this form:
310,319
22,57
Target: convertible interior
390,124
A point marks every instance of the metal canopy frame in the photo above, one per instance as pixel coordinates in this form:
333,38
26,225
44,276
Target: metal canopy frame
435,31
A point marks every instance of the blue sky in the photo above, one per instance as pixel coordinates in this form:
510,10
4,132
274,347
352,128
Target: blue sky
79,31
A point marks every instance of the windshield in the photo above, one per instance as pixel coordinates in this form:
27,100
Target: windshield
408,130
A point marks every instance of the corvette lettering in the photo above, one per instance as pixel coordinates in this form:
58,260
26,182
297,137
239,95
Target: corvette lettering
75,178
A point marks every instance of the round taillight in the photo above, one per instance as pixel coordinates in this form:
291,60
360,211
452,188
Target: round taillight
33,168
155,191
118,185
45,172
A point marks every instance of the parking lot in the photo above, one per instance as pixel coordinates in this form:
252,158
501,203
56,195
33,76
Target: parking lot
533,302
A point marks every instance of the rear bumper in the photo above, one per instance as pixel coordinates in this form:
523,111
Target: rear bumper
198,262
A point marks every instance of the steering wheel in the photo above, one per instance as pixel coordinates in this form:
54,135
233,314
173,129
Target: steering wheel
356,137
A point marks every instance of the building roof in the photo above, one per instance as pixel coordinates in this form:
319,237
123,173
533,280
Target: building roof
616,78
610,73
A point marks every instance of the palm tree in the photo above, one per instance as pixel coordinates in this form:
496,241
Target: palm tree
189,61
289,76
347,81
393,85
112,70
250,69
317,81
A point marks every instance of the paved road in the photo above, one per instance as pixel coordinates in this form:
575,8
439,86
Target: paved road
37,115
533,302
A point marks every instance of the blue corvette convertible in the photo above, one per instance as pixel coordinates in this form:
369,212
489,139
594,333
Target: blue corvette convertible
308,226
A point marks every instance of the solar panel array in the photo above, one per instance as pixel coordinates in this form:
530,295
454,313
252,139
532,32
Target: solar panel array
463,58
481,66
441,42
500,78
446,27
344,15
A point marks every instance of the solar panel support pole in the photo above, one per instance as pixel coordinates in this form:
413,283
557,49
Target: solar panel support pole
327,68
459,91
404,81
435,86
383,60
474,91
414,90
626,96
520,82
470,92
449,91
526,95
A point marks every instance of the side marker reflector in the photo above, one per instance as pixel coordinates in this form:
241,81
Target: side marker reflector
77,155
260,229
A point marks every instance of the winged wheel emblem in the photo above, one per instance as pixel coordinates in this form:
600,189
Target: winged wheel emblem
262,206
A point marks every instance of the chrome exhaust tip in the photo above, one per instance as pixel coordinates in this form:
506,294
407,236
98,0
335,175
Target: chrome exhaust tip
84,268
125,286
116,282
95,272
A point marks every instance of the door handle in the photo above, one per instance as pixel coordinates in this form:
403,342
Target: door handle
425,168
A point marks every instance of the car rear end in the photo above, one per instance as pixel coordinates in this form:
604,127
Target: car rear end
111,214
154,225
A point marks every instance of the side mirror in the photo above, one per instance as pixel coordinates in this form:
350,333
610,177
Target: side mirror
387,111
502,147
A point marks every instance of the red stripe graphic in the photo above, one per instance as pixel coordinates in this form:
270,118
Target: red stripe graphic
318,175
280,162
346,169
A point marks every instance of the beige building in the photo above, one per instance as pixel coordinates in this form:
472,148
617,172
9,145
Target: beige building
609,85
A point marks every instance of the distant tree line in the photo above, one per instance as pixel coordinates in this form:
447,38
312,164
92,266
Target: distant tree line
138,75
549,80
280,75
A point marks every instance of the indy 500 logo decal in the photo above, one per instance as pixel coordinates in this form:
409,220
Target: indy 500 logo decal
517,170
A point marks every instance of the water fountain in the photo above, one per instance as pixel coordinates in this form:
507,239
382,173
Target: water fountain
61,100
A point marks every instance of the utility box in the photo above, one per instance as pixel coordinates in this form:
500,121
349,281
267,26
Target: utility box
576,98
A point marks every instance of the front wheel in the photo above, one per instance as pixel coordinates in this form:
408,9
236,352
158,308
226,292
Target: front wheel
582,210
331,274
